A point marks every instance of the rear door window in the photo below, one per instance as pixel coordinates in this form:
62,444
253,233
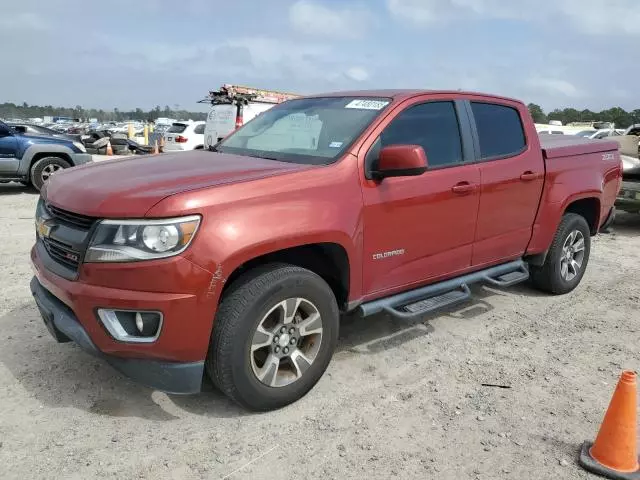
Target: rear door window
500,130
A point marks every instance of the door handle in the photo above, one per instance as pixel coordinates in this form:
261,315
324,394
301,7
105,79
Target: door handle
463,188
529,176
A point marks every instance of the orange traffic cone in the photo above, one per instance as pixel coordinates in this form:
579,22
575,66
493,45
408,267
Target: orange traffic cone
614,454
109,149
155,148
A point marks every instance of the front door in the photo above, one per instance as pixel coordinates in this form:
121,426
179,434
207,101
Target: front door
8,149
417,229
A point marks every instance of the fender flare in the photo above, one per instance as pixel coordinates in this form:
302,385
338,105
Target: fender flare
27,157
277,245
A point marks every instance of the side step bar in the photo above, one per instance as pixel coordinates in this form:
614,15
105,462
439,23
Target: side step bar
417,303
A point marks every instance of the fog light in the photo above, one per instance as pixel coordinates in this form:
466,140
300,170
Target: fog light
136,326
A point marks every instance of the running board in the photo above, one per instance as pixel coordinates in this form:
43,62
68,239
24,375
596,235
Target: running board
417,303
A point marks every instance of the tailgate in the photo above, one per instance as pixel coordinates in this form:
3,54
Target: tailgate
558,146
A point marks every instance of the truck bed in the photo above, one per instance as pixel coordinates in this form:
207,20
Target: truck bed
557,146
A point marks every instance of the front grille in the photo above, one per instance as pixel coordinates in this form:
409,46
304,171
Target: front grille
62,253
81,221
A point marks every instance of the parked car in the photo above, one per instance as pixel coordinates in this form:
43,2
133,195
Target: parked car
238,262
629,196
33,159
184,136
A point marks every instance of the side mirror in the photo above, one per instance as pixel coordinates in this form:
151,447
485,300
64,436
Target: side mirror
401,161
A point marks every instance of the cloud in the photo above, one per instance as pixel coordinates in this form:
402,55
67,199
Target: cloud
23,21
358,74
611,17
554,86
311,18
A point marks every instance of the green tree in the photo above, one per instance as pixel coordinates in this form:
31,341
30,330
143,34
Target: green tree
537,113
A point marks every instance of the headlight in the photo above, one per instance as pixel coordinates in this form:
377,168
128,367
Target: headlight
134,240
80,147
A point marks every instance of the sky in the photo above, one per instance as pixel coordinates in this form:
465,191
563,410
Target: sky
126,54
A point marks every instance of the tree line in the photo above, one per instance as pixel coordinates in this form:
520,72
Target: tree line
619,116
24,111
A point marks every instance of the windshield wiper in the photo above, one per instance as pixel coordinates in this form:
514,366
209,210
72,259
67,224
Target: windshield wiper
265,157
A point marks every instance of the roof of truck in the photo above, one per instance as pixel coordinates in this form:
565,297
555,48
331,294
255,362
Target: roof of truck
399,94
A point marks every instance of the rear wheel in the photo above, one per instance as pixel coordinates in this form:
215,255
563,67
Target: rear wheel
274,336
567,258
42,170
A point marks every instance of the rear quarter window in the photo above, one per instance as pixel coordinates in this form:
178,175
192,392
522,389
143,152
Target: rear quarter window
199,129
500,130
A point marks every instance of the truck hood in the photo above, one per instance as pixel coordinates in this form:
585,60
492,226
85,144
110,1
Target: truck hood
128,188
39,139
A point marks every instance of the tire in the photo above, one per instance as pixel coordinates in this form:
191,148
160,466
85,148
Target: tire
232,364
119,141
119,136
43,168
120,149
100,143
552,277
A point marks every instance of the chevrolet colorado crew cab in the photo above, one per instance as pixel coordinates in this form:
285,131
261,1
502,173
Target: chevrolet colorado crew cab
32,159
237,262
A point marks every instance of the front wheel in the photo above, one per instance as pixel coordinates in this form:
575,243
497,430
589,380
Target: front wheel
567,258
274,336
42,170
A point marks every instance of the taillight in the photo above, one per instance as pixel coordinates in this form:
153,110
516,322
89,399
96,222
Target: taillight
181,139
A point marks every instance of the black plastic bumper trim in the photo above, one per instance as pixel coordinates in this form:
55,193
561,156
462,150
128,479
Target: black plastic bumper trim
169,377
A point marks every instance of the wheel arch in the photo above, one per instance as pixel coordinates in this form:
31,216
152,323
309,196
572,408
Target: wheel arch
589,208
329,260
37,152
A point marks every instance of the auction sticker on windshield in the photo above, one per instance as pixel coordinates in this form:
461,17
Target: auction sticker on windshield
367,104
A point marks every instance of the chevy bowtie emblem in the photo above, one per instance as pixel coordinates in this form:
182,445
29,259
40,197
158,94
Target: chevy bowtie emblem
43,228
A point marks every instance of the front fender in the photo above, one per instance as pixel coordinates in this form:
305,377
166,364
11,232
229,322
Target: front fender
34,149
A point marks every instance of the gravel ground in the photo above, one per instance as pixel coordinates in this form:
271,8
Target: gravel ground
399,400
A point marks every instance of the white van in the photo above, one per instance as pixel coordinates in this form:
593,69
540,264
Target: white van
232,106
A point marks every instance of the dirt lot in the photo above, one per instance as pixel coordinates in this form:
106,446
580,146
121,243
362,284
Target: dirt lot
399,400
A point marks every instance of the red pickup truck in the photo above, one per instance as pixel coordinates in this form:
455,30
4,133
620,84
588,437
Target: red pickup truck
239,261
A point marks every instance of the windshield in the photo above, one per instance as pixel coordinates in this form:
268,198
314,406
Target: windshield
314,131
585,133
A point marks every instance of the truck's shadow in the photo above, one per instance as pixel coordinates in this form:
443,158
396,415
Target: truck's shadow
13,188
62,375
627,225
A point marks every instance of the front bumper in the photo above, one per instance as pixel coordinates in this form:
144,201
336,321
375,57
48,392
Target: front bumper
170,377
174,362
81,158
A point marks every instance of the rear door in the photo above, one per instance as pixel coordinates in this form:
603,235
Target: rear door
512,178
417,229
